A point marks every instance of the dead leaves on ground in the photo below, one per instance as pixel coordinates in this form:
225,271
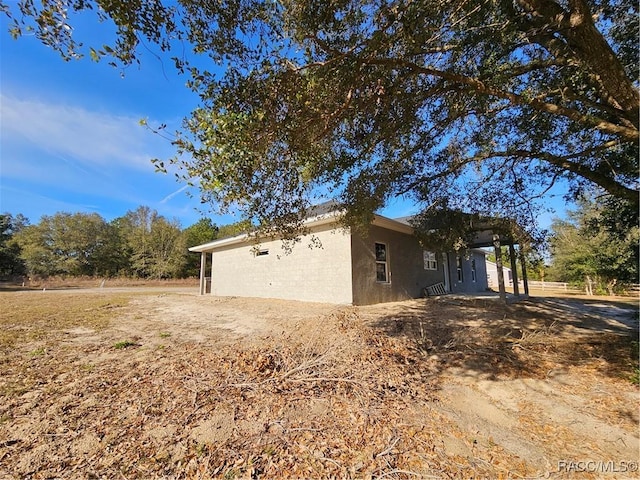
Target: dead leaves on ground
341,400
330,398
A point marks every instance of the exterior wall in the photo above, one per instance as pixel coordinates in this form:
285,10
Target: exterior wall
467,285
308,274
408,277
492,275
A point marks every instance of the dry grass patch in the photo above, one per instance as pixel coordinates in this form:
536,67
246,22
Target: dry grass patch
354,393
29,316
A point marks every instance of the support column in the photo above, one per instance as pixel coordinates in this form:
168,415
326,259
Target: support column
498,252
525,280
203,269
514,270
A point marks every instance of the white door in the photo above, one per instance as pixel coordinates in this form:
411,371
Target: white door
445,268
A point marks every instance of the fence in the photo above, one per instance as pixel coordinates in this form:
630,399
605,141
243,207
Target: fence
633,289
542,285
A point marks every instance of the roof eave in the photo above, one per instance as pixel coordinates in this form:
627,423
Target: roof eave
317,221
388,223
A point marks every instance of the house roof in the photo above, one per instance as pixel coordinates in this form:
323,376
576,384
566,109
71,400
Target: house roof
323,214
330,213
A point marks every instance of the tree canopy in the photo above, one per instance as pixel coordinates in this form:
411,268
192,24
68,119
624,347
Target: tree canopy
480,106
594,246
11,263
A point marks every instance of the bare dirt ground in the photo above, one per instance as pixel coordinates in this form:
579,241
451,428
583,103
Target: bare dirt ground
129,383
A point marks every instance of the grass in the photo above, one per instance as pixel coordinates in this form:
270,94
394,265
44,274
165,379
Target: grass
124,344
36,316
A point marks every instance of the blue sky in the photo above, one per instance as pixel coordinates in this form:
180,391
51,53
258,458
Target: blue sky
70,138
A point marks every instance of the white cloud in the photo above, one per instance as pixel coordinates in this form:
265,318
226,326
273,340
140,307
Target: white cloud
94,138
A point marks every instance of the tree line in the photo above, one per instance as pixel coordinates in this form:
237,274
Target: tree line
141,244
596,246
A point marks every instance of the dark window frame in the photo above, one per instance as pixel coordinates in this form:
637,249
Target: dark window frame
382,261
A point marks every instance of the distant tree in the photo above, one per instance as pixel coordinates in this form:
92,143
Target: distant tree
67,244
167,249
11,264
152,243
586,252
236,228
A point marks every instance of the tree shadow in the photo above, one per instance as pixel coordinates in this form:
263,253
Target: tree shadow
487,339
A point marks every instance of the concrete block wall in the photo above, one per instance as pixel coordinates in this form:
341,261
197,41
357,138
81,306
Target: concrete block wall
308,273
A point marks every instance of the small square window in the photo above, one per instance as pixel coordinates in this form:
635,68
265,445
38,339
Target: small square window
430,262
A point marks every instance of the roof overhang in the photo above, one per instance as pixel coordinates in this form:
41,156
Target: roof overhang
312,222
388,223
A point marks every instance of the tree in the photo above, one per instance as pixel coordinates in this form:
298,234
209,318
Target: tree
167,249
235,228
586,252
203,231
11,264
152,243
477,106
68,244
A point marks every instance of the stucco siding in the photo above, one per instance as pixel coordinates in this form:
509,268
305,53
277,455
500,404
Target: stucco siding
317,274
405,263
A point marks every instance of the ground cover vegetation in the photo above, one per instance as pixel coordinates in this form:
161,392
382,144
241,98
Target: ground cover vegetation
140,385
140,244
476,106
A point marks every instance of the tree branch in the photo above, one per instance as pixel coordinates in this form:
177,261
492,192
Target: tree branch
627,133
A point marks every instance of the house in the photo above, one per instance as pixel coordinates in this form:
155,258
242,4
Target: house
335,264
492,275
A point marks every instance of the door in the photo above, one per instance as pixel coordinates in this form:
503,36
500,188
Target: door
445,268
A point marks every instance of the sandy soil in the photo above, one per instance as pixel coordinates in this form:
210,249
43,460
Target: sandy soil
212,387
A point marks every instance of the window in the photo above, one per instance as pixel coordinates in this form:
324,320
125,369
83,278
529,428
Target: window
430,262
473,270
459,269
382,263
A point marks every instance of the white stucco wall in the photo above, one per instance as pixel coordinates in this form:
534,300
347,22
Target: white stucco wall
309,274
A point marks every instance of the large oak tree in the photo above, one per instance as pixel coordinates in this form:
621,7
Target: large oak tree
478,105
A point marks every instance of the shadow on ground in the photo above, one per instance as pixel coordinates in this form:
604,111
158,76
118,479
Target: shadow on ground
527,339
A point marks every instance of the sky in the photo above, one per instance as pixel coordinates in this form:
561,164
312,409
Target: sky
71,139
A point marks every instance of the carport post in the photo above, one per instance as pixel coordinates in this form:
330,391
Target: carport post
523,264
498,252
203,269
514,270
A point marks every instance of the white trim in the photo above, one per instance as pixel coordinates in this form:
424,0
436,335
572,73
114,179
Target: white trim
316,221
